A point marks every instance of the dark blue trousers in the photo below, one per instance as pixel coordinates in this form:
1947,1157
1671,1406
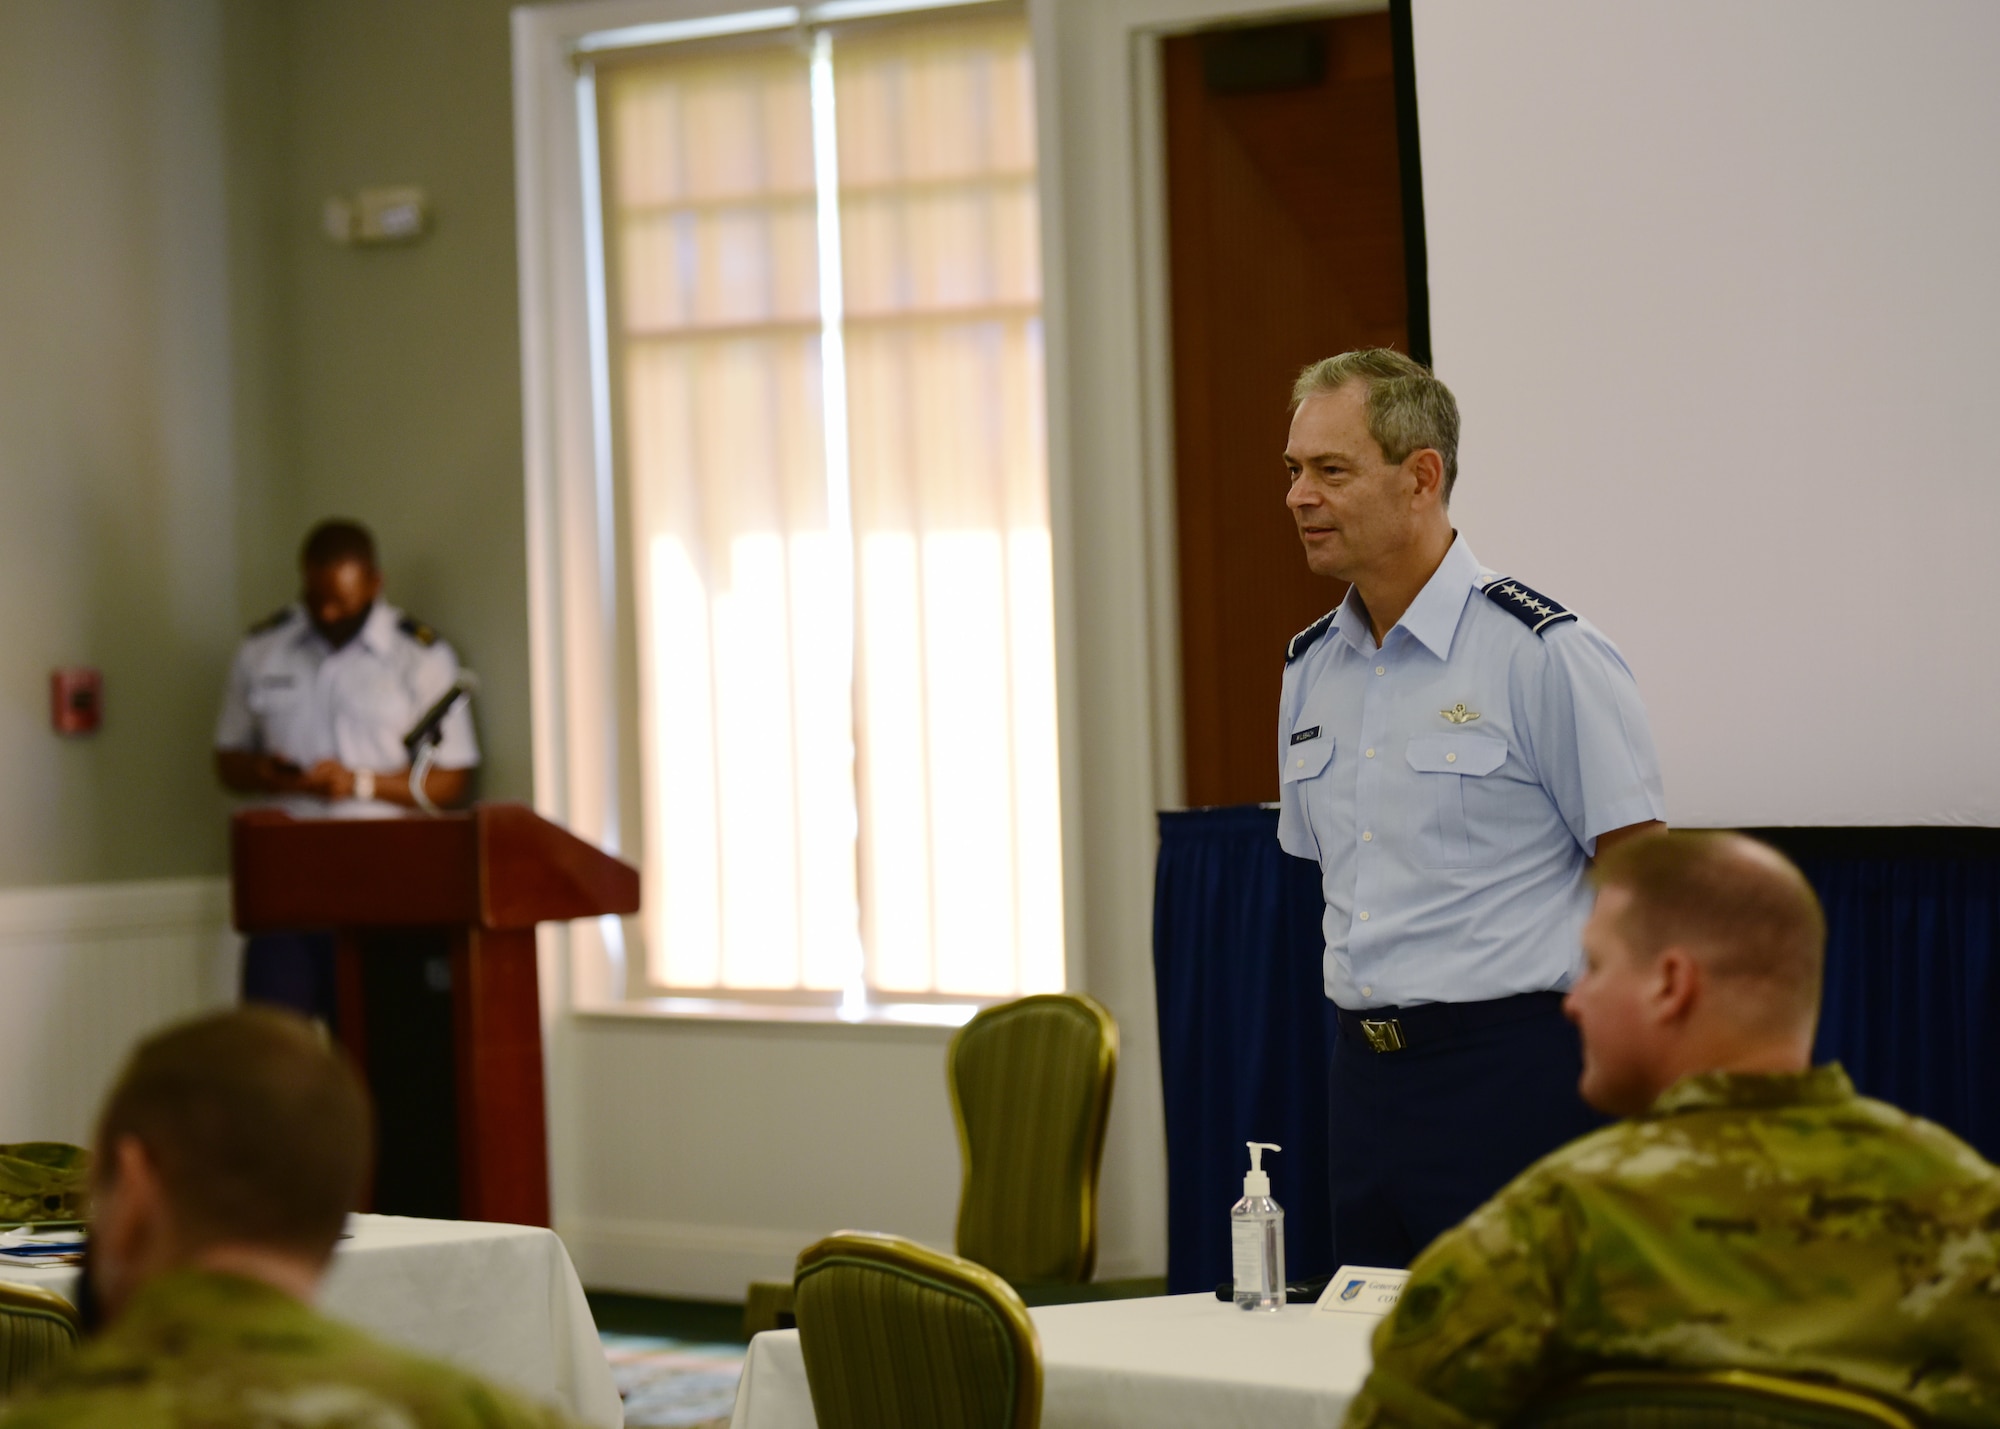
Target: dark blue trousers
293,970
1420,1138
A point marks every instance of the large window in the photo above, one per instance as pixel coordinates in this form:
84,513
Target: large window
824,337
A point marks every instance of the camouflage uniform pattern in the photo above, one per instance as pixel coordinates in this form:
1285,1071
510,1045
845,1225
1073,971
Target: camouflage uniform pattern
1778,1223
44,1181
216,1351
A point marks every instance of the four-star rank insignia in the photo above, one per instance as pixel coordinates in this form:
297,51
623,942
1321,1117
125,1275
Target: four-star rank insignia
1296,647
1531,608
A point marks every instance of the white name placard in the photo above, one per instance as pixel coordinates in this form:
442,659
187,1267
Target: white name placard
1362,1290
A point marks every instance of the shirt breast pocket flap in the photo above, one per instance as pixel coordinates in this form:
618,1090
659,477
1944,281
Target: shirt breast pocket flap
1306,755
1470,754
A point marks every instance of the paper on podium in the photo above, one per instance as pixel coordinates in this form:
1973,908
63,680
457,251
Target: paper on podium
1361,1290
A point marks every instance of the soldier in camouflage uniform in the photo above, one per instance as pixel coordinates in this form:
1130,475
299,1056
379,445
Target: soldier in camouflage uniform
227,1158
1750,1212
195,1348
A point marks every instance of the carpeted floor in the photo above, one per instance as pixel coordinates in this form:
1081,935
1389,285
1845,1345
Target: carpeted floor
678,1383
676,1362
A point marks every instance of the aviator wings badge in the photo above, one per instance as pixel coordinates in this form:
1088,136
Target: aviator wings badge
1459,714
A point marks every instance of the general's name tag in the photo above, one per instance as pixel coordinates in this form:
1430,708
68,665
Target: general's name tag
1362,1290
1300,736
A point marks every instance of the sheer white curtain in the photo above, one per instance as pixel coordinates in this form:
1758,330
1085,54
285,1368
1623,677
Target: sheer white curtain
939,234
849,750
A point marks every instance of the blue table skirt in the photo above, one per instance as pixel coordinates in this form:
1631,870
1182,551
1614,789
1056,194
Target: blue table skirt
1243,1036
1912,1006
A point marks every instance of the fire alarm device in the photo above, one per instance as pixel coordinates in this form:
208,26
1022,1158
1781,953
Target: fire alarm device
76,700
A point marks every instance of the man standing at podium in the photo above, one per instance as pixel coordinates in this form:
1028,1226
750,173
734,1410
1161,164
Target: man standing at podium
320,697
1454,748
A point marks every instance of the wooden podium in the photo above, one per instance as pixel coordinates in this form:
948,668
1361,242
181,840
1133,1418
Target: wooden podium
438,913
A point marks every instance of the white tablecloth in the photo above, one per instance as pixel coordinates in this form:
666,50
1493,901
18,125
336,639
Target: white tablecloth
1179,1360
501,1301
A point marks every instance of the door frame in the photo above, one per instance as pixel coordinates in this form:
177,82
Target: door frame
1102,119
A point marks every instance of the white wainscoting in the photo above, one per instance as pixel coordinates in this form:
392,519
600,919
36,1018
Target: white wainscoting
681,1261
709,1154
87,969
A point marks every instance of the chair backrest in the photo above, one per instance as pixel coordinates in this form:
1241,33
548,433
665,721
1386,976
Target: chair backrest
898,1336
1711,1399
38,1330
1031,1093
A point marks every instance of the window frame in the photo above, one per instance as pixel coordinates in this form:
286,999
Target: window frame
583,661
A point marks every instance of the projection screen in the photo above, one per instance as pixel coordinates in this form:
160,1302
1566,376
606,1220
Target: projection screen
1717,283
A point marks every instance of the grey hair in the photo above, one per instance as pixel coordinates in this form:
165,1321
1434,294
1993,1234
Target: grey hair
1408,408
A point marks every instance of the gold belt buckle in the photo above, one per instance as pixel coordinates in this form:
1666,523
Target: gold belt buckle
1385,1035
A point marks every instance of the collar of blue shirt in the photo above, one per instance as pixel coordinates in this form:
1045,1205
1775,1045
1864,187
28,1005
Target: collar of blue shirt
1432,617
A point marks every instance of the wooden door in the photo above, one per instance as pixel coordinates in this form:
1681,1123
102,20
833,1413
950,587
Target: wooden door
1286,245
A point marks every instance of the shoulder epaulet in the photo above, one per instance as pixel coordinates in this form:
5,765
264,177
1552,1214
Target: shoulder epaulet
1531,608
417,630
1309,637
271,621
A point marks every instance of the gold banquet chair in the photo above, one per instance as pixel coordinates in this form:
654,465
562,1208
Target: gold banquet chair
1030,1085
1711,1399
898,1336
38,1330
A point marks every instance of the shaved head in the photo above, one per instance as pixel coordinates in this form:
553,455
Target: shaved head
1738,907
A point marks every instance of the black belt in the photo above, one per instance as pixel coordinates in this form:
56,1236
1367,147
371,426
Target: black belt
1432,1024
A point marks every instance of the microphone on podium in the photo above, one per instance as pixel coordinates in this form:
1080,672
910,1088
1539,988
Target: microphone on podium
422,741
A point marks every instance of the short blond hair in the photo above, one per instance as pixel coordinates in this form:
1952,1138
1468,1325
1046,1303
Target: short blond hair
1740,905
1408,408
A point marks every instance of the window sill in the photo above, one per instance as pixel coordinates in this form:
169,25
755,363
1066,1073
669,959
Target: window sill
920,1017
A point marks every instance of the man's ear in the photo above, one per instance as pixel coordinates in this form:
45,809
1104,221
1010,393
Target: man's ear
130,1162
1426,467
137,1180
1676,985
131,1237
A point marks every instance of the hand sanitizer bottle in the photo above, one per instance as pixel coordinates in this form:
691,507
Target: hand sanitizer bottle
1257,1238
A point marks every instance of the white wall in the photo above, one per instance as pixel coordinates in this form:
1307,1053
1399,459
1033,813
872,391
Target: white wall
713,1153
120,477
1715,285
117,458
85,971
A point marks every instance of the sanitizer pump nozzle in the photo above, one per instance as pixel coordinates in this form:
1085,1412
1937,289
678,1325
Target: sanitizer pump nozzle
1257,1183
1257,1238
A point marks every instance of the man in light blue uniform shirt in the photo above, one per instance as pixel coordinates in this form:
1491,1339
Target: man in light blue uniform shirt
1453,749
320,696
